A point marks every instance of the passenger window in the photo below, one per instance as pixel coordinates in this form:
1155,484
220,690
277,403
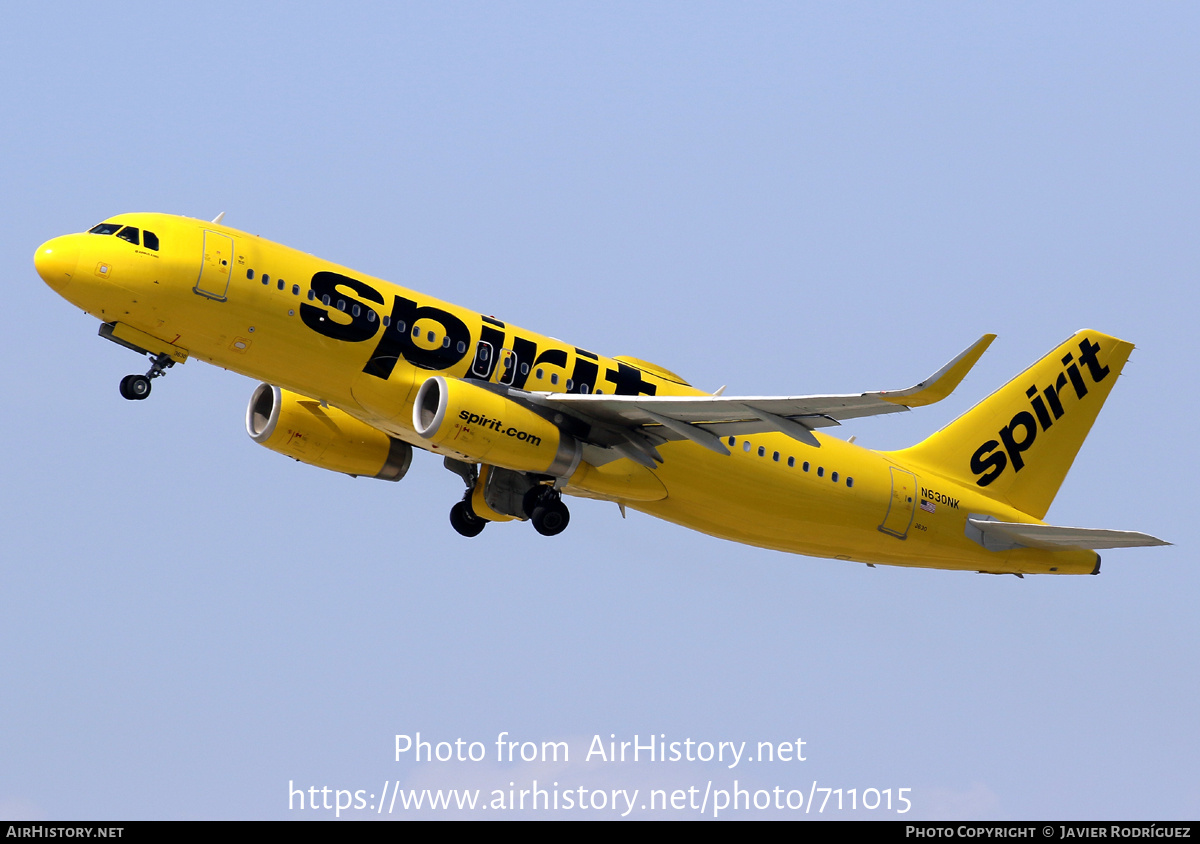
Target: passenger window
524,369
250,274
538,374
342,305
849,481
762,451
129,234
279,284
462,347
820,471
746,445
267,280
416,331
356,310
311,296
370,316
805,466
776,457
430,336
833,477
554,378
570,385
584,388
295,290
387,320
733,440
325,300
446,342
791,462
150,240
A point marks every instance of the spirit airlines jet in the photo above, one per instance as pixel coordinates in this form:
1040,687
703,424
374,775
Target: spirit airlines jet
357,371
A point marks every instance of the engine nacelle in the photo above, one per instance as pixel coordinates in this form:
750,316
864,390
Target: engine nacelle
490,428
302,429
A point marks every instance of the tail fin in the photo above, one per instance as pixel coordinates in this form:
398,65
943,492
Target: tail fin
1017,444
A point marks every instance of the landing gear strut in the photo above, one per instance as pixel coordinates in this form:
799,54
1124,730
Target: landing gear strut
545,509
137,387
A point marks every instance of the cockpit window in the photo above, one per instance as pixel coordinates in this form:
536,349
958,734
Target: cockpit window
104,228
150,240
130,234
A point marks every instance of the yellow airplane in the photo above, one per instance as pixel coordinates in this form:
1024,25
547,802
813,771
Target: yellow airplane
358,370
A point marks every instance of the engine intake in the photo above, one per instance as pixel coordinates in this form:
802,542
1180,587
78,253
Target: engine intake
491,428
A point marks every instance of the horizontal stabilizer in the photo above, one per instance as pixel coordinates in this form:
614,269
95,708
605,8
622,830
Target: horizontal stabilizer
1003,536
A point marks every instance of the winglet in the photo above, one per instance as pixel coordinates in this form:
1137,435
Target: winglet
941,383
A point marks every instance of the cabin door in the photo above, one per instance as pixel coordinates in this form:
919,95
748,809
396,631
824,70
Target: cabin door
902,504
217,266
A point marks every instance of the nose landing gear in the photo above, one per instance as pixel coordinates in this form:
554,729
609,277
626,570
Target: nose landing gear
137,387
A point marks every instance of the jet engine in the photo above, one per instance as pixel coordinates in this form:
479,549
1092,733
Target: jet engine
305,430
488,427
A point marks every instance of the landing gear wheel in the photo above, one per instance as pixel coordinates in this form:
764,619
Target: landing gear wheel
135,387
551,518
464,520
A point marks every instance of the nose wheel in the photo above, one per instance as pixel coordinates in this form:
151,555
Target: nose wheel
137,387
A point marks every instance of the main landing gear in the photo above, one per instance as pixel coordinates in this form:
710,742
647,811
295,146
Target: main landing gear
506,493
544,507
137,387
464,520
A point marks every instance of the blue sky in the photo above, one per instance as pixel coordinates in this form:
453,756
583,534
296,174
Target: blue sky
783,198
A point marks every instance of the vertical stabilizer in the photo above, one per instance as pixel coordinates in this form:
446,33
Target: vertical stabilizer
1017,444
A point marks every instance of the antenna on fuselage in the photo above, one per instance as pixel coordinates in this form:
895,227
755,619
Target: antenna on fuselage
219,217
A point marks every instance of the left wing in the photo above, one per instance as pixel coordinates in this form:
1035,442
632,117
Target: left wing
632,426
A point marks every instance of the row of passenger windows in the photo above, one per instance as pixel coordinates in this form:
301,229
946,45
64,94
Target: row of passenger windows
130,234
355,310
791,461
279,283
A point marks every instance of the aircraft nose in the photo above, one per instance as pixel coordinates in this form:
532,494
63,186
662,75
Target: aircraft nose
55,261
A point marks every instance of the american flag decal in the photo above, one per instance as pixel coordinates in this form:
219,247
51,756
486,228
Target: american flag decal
928,506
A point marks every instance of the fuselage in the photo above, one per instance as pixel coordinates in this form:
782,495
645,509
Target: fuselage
366,345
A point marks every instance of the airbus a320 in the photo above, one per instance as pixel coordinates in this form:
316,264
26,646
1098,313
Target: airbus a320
356,372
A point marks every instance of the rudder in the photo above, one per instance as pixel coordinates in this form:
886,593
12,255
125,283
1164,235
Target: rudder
1017,444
